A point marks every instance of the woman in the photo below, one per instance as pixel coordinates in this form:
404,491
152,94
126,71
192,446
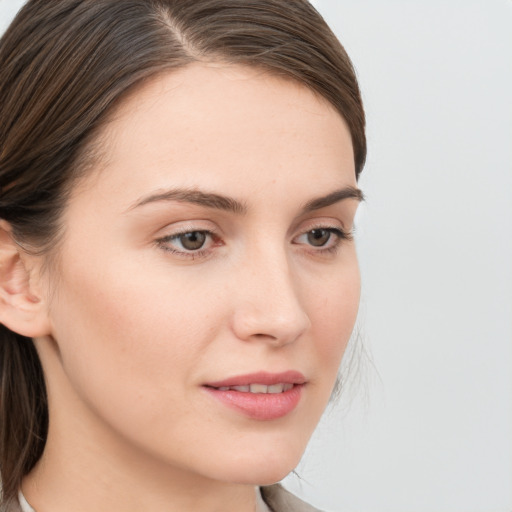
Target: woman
177,273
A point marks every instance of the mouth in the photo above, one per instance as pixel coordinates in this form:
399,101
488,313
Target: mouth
259,388
261,396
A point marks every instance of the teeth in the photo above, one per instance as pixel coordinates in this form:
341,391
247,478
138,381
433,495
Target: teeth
259,388
244,389
275,388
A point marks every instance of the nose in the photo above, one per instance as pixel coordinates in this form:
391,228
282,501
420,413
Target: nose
267,303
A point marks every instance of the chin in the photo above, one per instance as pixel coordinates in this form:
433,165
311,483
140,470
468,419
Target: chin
267,475
265,467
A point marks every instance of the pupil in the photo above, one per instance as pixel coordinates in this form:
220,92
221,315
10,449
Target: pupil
318,237
193,240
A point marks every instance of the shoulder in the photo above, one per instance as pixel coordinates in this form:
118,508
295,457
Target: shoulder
279,499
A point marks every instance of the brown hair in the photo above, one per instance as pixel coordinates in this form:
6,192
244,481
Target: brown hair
64,65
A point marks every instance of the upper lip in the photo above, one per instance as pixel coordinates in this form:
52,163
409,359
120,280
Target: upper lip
266,378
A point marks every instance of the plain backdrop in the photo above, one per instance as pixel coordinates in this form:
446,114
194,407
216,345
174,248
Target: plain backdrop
426,425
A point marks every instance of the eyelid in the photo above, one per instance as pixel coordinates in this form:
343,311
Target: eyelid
332,223
165,236
181,227
336,229
164,243
340,232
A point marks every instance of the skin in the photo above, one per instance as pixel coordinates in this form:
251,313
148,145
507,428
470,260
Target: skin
136,326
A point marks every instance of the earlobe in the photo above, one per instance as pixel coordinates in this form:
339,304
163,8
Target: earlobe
22,309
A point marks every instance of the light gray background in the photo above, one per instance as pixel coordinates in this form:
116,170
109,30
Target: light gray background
429,429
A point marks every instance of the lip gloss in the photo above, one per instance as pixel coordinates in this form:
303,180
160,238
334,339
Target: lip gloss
260,406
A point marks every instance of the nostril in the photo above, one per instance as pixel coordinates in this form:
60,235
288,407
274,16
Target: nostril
261,335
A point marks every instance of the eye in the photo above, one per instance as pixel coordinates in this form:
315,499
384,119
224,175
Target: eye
318,237
322,238
188,243
192,241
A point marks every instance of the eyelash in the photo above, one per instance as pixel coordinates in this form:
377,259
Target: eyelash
340,234
190,254
163,243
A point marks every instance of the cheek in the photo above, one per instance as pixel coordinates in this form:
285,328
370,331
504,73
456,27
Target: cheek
129,337
333,315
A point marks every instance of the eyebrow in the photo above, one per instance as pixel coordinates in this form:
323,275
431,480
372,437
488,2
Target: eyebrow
333,198
207,199
229,204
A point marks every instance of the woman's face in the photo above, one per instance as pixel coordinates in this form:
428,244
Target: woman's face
209,249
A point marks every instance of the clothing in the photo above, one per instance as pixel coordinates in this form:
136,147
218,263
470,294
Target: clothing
279,499
25,507
275,497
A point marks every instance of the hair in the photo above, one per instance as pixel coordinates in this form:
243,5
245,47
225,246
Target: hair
64,66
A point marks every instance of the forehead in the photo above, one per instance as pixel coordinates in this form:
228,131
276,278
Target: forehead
219,125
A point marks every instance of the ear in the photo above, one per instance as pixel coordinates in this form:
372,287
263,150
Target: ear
22,307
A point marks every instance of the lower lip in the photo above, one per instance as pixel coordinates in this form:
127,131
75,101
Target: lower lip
260,406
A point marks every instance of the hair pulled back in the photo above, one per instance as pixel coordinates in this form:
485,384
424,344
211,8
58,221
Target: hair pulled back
64,65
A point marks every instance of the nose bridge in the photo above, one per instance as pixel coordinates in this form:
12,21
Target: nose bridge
269,303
